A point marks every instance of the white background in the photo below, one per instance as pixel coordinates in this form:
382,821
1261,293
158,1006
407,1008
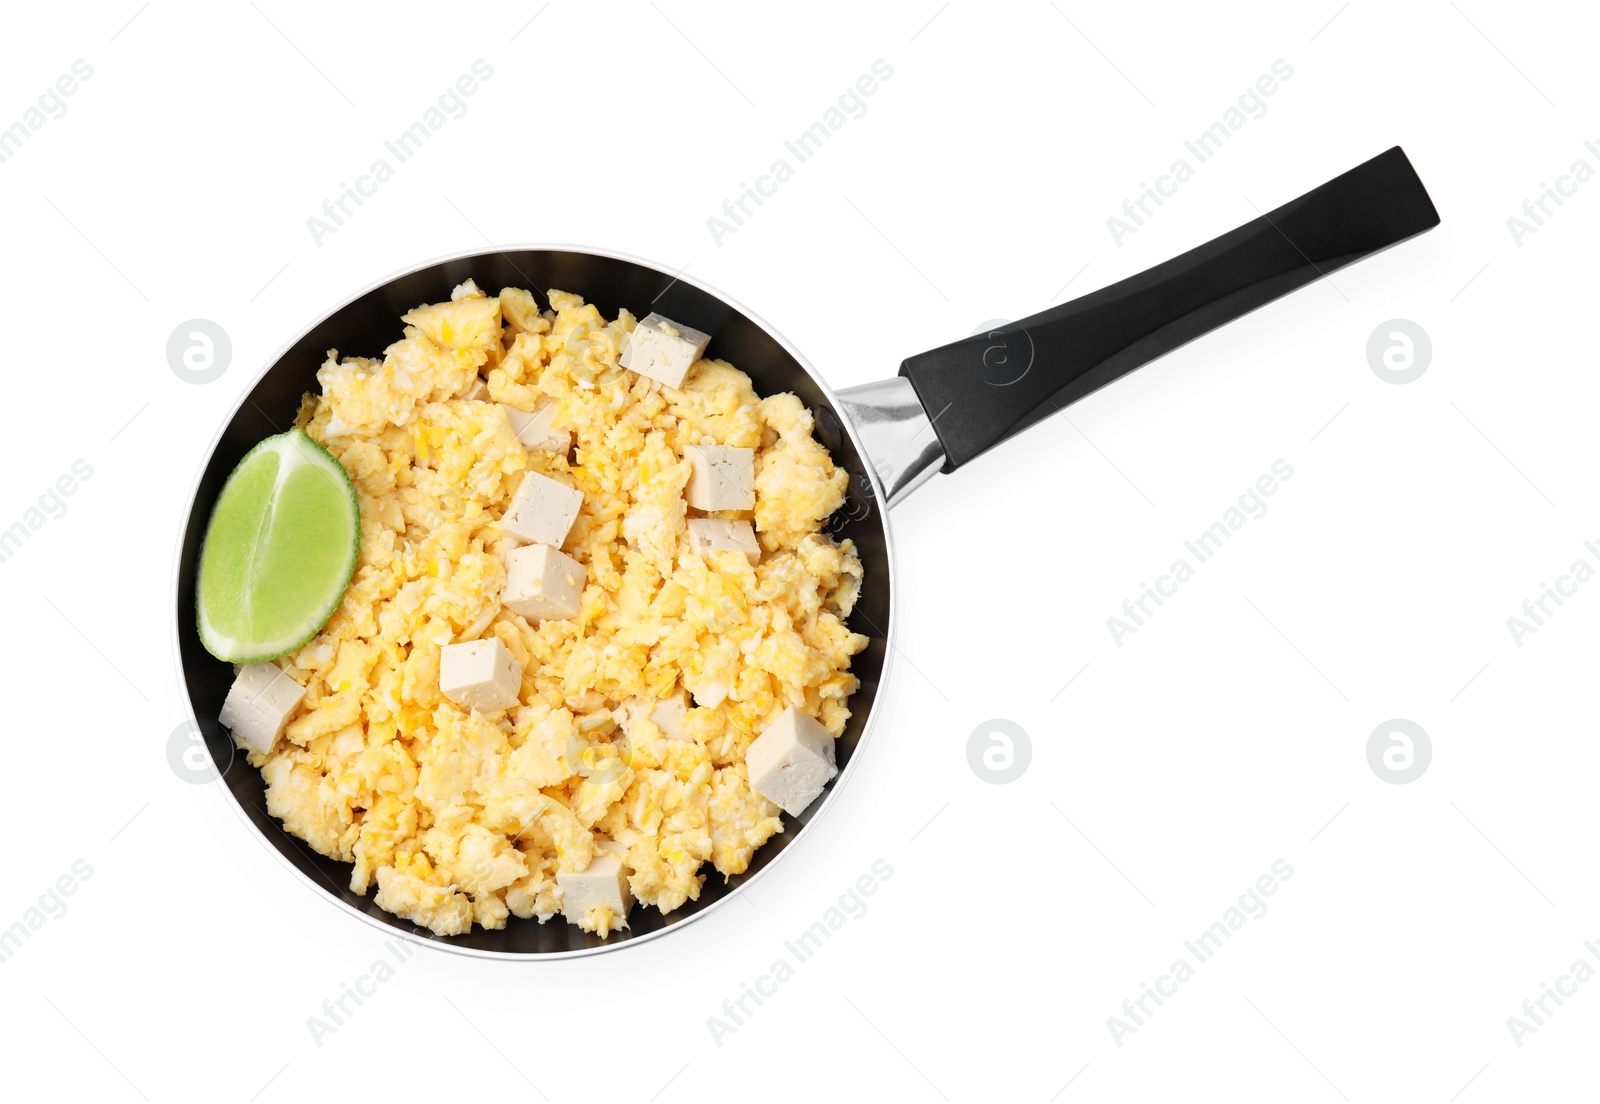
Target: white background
1227,733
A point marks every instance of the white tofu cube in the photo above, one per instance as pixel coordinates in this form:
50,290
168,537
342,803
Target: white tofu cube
791,761
604,883
708,535
666,713
542,511
721,477
481,675
477,390
259,704
542,582
663,349
669,712
537,431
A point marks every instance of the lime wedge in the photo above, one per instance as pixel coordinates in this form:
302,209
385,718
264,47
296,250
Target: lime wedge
279,550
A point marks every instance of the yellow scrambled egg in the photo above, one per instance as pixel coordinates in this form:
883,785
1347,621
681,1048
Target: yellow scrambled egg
462,819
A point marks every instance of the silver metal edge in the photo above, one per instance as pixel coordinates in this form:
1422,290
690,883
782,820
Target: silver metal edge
838,783
903,450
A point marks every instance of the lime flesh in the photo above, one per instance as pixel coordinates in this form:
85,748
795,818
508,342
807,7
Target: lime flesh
279,550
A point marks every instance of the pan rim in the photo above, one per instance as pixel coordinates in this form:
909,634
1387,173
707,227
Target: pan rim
873,714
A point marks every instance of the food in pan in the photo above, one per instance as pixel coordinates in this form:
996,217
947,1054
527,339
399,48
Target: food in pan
596,634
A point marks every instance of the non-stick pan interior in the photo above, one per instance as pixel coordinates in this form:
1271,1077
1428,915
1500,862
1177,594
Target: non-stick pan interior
365,327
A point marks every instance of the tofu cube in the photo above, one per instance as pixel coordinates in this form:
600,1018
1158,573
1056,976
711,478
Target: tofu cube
721,477
669,712
666,713
707,535
259,704
604,883
542,511
791,761
542,582
663,349
536,430
481,675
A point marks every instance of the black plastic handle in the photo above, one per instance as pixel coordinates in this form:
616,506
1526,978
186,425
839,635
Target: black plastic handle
983,389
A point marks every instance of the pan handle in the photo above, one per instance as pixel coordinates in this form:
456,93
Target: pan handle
985,388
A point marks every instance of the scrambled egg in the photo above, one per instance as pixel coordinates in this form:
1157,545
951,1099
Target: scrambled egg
460,818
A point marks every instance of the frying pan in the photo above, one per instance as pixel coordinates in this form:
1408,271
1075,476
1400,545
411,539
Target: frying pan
945,407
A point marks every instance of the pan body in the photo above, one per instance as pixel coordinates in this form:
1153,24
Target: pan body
366,325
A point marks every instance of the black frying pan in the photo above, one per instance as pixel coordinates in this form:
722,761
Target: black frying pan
946,407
